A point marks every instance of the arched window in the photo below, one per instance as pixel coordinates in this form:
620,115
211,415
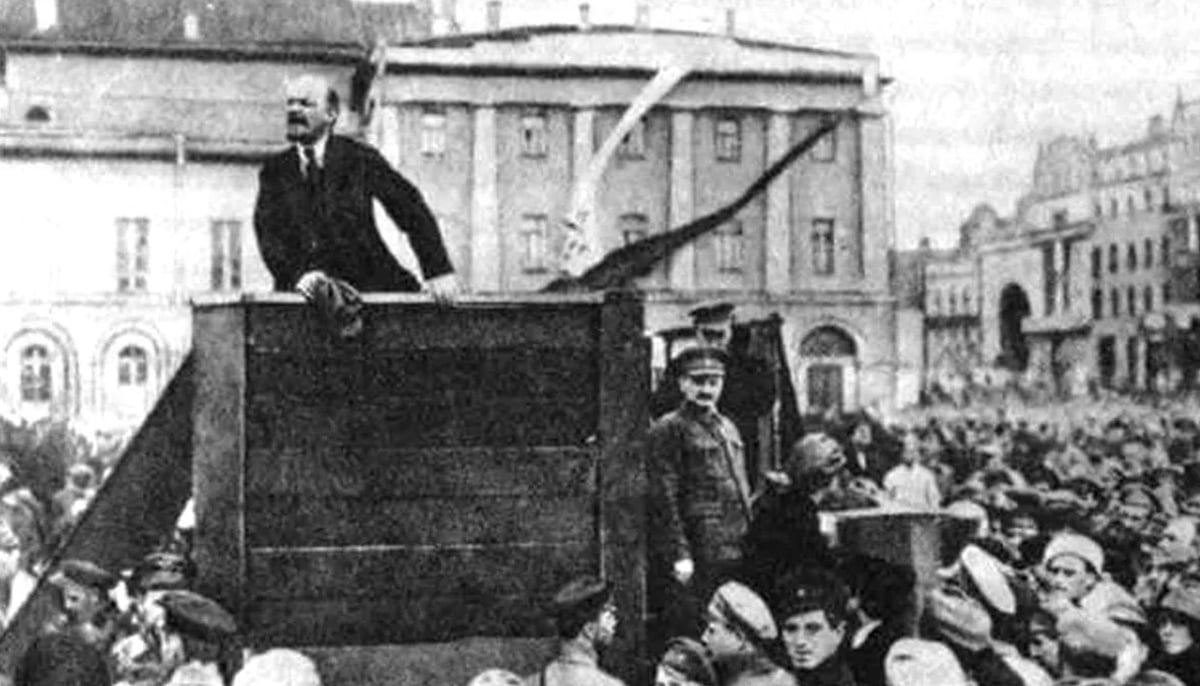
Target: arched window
37,114
132,368
35,374
828,341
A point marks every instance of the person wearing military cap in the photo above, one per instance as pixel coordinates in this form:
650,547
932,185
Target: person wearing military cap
685,662
740,635
699,496
72,649
586,618
1176,620
813,612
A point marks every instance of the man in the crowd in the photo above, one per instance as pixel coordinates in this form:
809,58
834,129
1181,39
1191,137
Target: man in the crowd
200,639
739,636
314,215
784,534
143,655
685,662
883,595
1176,620
813,613
917,662
911,483
1072,569
867,455
72,649
699,496
586,618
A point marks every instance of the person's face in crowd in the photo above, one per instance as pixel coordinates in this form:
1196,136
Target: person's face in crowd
702,389
1021,528
1069,576
911,452
1178,538
722,640
862,434
1134,516
605,625
1175,633
667,676
716,334
309,114
1043,649
810,639
81,604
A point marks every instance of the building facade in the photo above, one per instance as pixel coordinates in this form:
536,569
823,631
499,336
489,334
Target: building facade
498,127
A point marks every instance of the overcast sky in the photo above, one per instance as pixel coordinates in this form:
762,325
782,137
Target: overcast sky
977,83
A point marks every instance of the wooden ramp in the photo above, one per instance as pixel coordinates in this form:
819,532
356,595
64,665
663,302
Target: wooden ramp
404,505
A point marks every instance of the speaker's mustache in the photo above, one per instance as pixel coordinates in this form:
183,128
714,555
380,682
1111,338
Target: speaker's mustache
296,120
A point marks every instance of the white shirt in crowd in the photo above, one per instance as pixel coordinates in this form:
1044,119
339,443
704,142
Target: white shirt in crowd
912,486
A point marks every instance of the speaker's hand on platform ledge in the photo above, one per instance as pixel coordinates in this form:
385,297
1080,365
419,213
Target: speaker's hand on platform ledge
684,569
307,283
444,288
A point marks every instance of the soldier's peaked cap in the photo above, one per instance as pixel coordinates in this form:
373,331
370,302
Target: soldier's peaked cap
701,360
711,313
198,616
582,597
85,573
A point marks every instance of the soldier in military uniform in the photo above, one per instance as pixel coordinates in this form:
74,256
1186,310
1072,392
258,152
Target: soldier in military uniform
587,622
72,648
700,496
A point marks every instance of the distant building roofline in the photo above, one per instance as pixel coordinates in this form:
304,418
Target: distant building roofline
329,53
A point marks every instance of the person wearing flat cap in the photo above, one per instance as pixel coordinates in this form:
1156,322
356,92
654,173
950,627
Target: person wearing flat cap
72,649
699,497
138,656
197,636
685,662
741,635
586,618
1176,620
813,608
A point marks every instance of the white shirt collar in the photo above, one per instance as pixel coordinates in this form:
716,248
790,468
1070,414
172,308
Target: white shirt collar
318,150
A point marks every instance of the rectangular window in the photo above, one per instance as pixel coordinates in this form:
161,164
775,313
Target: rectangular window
729,140
1147,253
1148,299
1059,219
731,247
1114,302
1131,301
825,149
433,133
1097,263
822,246
225,237
533,135
1166,252
1114,260
1097,304
533,243
1166,293
633,144
133,254
1131,261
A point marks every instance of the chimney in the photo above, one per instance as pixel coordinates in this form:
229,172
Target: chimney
585,16
641,20
191,27
730,22
45,14
493,15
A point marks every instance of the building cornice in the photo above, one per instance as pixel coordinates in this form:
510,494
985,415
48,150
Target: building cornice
559,71
25,144
336,53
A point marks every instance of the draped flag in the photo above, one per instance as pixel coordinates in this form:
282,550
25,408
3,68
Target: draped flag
622,265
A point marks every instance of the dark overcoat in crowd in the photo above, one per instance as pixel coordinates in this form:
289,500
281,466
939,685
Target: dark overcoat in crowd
332,228
784,536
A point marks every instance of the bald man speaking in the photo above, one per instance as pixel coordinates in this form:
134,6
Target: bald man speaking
314,218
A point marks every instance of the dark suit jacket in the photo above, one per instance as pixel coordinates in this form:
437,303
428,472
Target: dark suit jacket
334,229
